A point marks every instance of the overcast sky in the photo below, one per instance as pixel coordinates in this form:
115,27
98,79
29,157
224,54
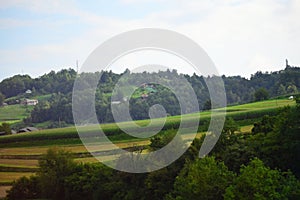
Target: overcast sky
240,36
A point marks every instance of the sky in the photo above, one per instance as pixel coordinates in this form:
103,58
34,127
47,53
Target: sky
240,36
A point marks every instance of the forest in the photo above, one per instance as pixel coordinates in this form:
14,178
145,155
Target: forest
58,86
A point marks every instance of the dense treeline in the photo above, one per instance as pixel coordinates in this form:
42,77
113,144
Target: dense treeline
260,86
52,82
261,165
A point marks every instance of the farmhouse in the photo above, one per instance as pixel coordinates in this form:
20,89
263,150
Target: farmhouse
27,129
29,102
116,102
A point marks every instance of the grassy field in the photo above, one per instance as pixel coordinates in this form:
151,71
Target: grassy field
22,151
245,114
14,113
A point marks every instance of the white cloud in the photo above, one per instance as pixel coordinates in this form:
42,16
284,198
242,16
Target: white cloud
45,6
240,36
234,35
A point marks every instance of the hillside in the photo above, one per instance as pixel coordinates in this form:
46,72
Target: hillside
19,154
53,91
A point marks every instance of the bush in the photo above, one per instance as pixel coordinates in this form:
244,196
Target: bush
5,127
25,188
203,179
256,181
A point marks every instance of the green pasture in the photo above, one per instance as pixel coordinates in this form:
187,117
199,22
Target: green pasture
14,113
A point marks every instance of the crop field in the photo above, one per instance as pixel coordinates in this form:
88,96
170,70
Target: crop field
19,162
19,153
8,177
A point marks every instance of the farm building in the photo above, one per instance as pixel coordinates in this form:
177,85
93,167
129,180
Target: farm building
116,102
29,102
27,129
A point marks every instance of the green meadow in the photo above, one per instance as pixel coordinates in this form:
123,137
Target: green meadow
14,113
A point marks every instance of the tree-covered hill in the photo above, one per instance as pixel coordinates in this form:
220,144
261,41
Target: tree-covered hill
239,90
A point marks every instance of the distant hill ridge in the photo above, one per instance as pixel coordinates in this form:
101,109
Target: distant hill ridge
59,85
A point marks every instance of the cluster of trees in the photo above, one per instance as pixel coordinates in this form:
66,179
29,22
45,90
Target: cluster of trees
261,165
5,127
2,98
261,86
238,89
207,178
57,108
52,82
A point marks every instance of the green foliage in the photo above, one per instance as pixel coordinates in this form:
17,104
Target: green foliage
55,166
281,90
2,97
15,85
266,125
227,137
230,126
208,178
298,100
277,145
204,178
129,186
5,127
261,94
58,109
160,183
256,181
292,89
161,140
25,188
207,105
283,146
90,181
238,90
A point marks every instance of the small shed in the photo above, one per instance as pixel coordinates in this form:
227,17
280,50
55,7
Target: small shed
30,102
27,129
